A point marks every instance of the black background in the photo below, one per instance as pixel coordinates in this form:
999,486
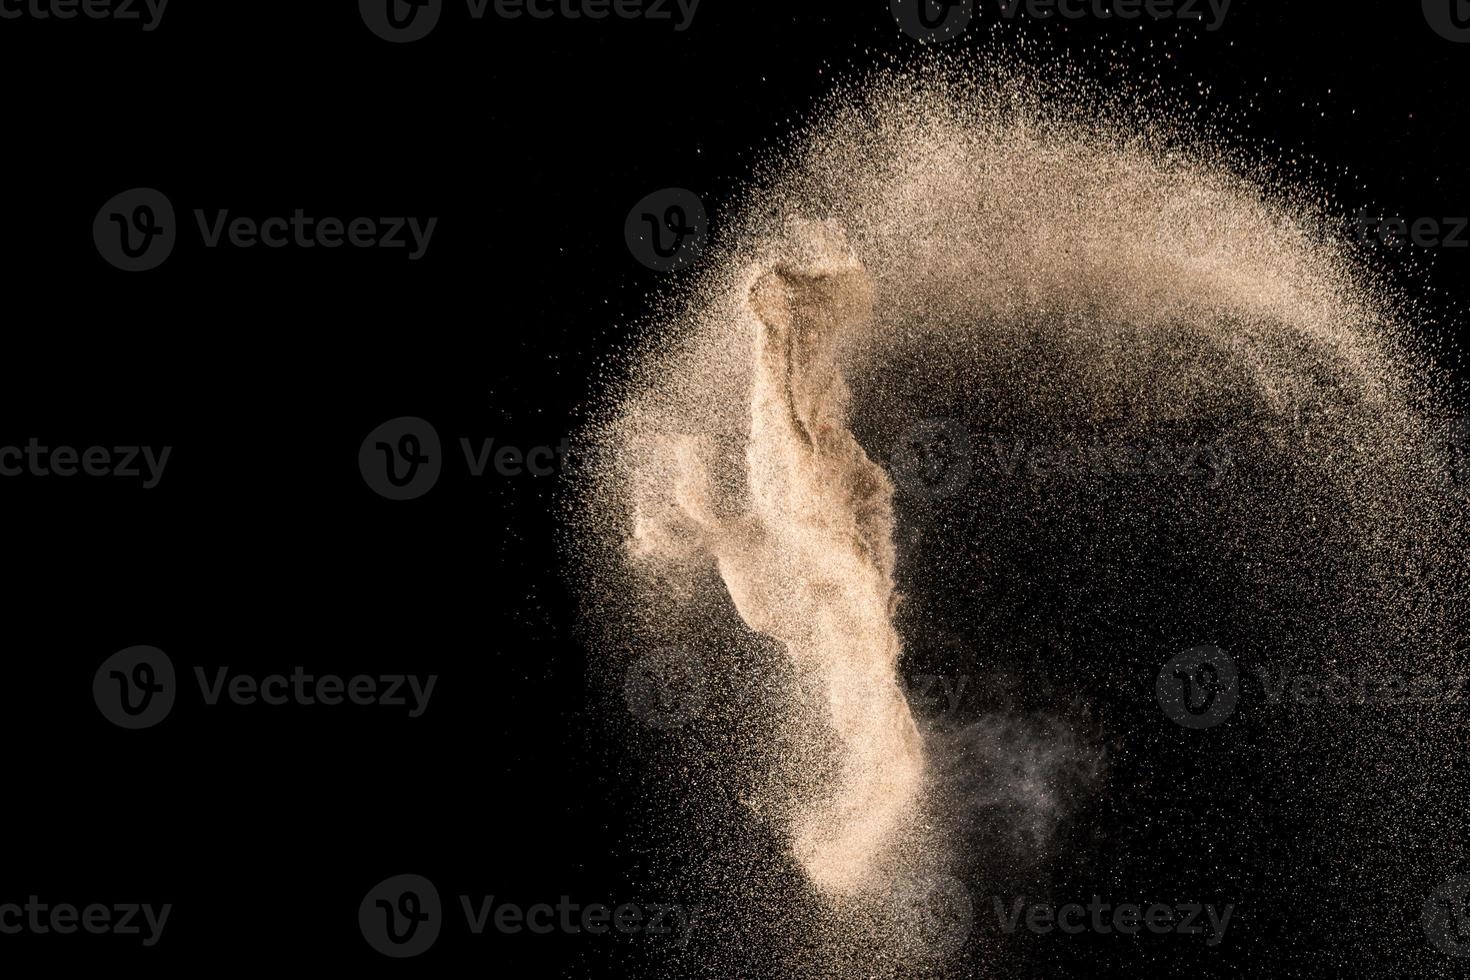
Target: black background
264,369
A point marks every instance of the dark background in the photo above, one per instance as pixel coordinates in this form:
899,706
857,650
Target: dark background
263,549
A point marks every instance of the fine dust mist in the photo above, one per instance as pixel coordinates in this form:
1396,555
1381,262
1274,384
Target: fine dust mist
1021,251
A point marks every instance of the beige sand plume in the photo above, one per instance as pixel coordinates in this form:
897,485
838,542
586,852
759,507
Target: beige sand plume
808,558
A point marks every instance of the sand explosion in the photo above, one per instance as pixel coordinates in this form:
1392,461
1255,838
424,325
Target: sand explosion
1013,252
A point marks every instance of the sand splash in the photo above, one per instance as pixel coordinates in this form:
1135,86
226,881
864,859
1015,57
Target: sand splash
807,553
1023,251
